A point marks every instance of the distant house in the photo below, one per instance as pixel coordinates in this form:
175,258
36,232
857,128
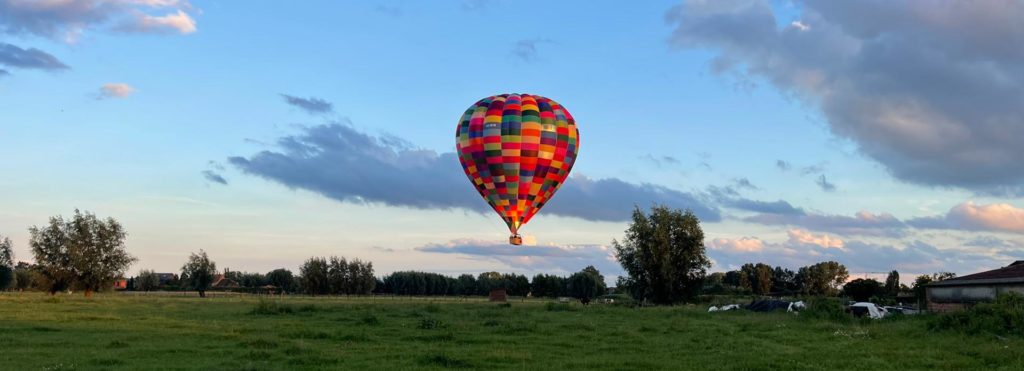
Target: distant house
221,282
166,277
963,292
120,284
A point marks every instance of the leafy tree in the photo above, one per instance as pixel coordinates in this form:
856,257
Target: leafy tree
488,281
663,255
338,275
545,285
197,273
467,284
892,284
282,279
583,286
822,278
314,276
7,276
863,289
783,280
25,277
942,276
762,278
85,251
147,280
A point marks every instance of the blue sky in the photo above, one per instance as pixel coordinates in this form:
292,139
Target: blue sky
880,134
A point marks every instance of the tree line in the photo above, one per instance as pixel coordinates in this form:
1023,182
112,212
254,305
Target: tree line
662,254
584,285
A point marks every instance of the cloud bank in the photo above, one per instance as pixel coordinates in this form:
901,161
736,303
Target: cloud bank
342,163
931,90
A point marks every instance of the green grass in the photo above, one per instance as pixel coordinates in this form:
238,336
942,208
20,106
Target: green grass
114,332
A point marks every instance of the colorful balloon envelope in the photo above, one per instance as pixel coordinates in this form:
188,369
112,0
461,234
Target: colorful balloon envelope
517,150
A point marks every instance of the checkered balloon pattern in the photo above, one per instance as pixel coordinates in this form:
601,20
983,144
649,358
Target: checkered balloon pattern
517,149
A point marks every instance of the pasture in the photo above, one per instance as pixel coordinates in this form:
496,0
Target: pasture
122,332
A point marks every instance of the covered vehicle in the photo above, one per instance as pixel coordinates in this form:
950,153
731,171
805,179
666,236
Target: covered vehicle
865,309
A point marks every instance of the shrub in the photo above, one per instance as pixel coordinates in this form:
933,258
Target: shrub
831,309
1005,316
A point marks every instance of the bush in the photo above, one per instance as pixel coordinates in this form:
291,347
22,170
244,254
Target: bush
831,309
1005,316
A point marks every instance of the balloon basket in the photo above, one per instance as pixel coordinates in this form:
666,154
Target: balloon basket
515,239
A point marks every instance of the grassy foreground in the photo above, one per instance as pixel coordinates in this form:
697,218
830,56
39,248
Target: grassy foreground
111,331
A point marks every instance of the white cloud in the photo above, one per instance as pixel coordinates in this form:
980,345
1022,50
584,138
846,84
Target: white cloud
798,236
116,90
179,22
744,244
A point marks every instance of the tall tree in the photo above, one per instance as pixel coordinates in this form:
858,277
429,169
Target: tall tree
663,255
863,289
583,286
147,280
823,278
892,284
762,279
84,251
314,276
282,278
197,273
7,276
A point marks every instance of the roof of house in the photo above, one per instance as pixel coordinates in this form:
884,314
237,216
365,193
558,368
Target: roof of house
1013,273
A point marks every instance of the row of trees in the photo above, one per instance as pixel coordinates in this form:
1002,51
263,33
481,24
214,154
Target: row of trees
584,285
824,278
336,276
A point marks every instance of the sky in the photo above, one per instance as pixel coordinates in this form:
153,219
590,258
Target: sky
880,134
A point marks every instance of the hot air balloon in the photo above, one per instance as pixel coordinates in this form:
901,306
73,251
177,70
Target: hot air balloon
517,149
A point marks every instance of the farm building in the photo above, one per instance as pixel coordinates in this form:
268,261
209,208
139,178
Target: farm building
963,292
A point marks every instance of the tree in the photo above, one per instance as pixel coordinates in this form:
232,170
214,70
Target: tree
197,273
314,276
863,289
147,280
822,278
84,251
663,255
583,286
25,276
467,284
7,275
762,279
282,279
892,284
783,280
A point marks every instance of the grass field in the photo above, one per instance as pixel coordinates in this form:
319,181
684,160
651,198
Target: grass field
118,332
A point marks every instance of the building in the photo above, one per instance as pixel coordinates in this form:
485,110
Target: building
221,282
963,292
166,277
120,284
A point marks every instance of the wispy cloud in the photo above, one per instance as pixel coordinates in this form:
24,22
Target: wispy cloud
214,177
115,90
526,49
999,217
311,105
31,58
825,184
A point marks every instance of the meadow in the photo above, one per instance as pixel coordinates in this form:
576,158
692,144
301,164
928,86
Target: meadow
122,332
